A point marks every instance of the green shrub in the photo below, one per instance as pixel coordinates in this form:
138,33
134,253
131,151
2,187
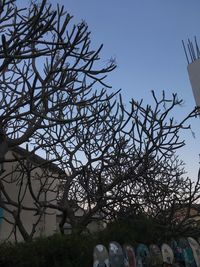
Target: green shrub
133,230
77,250
54,251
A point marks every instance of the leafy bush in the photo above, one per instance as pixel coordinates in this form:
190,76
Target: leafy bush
77,250
54,251
133,230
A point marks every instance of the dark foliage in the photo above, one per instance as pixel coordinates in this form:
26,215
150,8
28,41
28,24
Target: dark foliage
77,250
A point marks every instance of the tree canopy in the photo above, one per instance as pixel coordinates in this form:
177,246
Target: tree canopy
112,159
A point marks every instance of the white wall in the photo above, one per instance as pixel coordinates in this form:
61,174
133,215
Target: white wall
47,225
194,75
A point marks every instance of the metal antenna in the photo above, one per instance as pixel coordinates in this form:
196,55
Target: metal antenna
191,49
197,47
185,51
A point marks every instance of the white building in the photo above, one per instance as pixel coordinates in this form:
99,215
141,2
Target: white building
193,58
15,186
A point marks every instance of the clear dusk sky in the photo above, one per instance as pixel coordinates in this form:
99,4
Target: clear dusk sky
145,38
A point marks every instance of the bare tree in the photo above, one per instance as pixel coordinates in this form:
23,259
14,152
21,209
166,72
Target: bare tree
50,77
106,158
155,182
47,72
126,161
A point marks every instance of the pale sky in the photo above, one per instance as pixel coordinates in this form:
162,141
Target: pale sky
145,38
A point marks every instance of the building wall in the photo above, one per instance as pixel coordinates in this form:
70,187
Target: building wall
15,183
95,225
16,187
194,215
194,71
